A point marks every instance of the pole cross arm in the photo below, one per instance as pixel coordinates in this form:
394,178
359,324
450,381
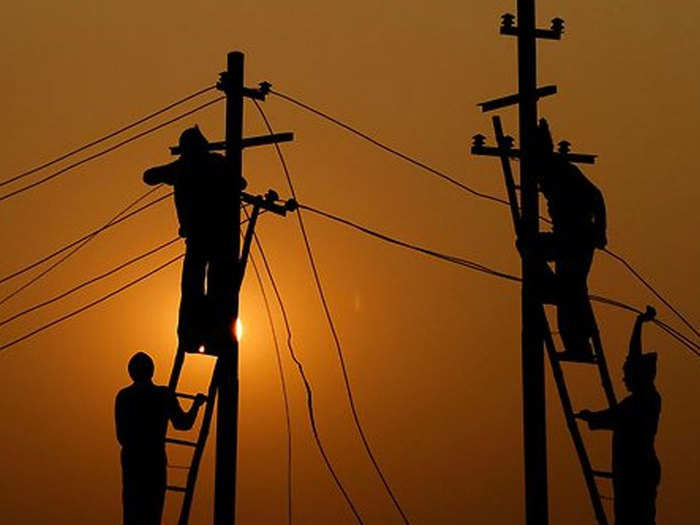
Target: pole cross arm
480,148
247,142
555,31
270,202
512,100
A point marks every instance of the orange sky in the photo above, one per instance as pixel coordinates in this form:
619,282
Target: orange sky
432,349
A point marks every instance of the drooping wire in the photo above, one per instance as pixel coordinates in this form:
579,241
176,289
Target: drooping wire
89,282
652,289
682,339
283,384
78,246
331,325
391,150
462,186
90,305
70,245
109,149
307,385
107,136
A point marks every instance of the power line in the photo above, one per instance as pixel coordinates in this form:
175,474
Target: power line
78,247
385,147
70,245
109,149
307,385
682,339
462,186
107,136
652,289
88,282
283,385
331,325
90,305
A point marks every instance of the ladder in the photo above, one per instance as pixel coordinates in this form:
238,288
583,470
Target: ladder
198,445
259,203
591,475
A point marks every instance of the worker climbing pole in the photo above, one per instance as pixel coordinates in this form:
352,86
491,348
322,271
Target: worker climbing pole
209,192
577,214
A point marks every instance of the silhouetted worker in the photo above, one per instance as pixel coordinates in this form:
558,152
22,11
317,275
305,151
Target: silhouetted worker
577,210
204,199
634,421
142,411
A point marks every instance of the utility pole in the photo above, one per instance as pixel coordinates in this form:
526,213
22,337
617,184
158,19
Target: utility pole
532,343
526,221
227,362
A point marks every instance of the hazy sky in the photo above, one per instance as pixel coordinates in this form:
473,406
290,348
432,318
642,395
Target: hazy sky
432,349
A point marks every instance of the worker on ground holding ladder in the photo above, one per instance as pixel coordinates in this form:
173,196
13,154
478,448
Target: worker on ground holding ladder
634,422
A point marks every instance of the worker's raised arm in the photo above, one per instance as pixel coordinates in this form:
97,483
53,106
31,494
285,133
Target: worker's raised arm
635,349
165,174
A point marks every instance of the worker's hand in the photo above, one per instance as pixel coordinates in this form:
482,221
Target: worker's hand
585,415
601,242
648,315
200,399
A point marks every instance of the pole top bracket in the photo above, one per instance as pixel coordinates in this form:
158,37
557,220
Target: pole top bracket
224,84
555,31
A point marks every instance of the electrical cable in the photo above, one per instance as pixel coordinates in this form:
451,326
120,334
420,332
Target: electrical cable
70,245
89,305
88,282
107,136
307,385
679,337
462,186
283,384
331,324
109,149
652,289
385,147
78,247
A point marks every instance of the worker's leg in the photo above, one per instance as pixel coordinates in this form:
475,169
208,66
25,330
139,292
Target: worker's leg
222,285
574,314
192,300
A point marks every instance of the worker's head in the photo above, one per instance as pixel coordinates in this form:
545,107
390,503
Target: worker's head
639,371
544,145
141,367
193,142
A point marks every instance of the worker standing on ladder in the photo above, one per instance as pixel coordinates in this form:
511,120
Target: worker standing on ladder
634,422
205,210
142,411
577,210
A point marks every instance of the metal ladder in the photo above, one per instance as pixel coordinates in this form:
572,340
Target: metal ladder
505,152
199,444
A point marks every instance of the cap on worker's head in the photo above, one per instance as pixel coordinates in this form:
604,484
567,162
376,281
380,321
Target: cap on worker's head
141,367
544,142
642,367
193,141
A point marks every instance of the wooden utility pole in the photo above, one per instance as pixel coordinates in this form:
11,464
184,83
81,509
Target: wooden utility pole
532,344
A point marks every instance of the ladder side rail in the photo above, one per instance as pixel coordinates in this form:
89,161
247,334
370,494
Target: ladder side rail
507,174
603,367
199,450
572,424
177,369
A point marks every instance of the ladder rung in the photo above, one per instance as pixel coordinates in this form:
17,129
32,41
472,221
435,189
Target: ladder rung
572,358
176,489
181,442
603,474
